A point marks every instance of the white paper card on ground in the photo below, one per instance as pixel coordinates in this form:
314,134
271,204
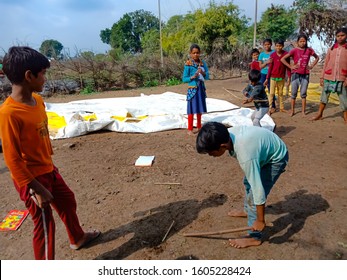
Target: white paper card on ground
144,161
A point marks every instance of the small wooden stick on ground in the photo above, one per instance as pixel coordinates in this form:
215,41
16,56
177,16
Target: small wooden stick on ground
173,222
194,234
167,184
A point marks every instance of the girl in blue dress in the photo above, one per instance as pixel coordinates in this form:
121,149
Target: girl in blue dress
195,73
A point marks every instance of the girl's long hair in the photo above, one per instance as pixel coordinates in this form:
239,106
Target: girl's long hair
305,37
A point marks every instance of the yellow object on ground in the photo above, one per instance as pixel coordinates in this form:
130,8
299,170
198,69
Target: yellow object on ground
55,122
129,118
313,94
91,117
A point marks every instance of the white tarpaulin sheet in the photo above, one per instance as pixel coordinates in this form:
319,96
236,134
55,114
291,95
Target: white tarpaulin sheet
143,114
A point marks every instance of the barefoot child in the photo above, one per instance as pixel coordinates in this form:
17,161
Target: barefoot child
264,61
195,73
300,74
277,75
256,92
334,74
262,156
27,152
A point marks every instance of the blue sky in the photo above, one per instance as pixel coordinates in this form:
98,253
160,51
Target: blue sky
77,23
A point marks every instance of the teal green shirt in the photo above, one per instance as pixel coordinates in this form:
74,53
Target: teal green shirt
190,70
255,147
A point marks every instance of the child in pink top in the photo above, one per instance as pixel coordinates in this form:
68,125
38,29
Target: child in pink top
334,74
300,74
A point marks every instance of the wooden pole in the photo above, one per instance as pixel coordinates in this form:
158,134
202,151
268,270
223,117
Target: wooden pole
161,38
255,24
195,234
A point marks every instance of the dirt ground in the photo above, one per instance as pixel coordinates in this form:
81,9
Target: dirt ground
134,207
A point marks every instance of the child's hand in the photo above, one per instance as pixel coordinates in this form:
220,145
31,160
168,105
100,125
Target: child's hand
195,75
245,101
321,82
258,226
41,196
265,82
295,66
44,199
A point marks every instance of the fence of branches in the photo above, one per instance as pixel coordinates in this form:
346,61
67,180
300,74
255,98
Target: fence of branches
86,72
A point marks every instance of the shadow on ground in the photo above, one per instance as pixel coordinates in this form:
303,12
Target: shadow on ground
149,230
297,207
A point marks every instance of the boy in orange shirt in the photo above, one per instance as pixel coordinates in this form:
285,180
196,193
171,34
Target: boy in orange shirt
27,152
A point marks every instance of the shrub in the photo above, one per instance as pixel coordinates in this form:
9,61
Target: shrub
151,83
173,82
88,88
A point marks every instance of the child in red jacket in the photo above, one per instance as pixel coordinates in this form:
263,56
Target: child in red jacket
277,75
254,65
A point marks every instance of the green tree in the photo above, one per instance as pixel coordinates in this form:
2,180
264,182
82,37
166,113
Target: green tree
105,36
277,22
178,33
204,27
51,48
321,17
151,41
128,32
219,21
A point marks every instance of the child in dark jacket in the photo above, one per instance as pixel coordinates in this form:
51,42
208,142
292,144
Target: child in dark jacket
255,92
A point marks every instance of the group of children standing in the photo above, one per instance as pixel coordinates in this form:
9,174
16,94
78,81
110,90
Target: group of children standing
275,67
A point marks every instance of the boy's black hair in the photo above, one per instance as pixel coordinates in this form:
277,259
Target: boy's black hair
211,136
267,40
254,75
255,50
280,42
18,60
342,29
194,46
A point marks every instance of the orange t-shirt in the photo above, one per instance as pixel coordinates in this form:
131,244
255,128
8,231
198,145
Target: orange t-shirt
25,139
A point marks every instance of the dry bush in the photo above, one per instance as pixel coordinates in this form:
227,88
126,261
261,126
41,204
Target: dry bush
87,72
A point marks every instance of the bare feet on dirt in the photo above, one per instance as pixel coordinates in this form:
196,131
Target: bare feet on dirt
237,213
244,242
316,118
